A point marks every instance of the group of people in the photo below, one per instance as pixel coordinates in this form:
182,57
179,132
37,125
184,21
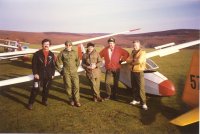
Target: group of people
44,64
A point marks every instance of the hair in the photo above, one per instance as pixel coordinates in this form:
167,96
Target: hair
136,41
90,44
46,40
111,40
68,42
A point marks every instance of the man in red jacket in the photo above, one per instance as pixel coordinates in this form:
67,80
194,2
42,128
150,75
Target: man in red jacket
113,56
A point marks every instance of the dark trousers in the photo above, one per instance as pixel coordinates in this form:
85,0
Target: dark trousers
45,83
112,77
137,83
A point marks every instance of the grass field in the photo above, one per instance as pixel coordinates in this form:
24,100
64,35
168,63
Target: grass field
106,117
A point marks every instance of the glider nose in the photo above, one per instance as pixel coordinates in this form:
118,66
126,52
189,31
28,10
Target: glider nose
166,88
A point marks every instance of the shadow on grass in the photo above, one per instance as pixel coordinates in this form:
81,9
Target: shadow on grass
179,92
20,63
59,87
155,106
2,62
190,129
10,76
11,93
86,93
123,94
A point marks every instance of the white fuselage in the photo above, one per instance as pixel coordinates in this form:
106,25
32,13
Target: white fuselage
155,82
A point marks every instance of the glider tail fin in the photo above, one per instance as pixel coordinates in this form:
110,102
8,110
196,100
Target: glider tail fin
81,51
191,94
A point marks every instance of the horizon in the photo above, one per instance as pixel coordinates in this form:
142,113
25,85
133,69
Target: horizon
98,16
97,32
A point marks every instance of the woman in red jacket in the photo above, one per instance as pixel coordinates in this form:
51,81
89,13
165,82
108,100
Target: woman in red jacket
113,56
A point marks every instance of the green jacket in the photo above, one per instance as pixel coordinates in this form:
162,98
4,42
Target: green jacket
69,60
89,59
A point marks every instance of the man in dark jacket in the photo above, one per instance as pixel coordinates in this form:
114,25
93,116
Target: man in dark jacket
43,68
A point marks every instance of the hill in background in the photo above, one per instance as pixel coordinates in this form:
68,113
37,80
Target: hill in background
148,39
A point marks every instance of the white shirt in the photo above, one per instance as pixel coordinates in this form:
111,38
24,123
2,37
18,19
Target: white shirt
110,53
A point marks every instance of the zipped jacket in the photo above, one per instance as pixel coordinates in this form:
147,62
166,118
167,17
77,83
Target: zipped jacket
137,61
118,54
39,67
92,58
68,62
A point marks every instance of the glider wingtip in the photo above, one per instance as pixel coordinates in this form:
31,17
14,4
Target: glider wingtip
134,29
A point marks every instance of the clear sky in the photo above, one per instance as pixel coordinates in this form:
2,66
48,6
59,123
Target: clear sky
98,16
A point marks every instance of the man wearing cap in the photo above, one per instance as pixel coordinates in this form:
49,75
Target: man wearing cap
137,60
91,62
113,56
67,64
43,68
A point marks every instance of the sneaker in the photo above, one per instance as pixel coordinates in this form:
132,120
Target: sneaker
30,106
107,98
71,103
134,102
78,104
144,106
95,99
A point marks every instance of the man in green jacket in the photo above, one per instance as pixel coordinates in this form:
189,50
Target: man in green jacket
91,62
68,58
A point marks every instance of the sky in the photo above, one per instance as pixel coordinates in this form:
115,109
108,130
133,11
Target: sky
98,16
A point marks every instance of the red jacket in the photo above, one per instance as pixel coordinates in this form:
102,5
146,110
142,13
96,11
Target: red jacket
117,55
